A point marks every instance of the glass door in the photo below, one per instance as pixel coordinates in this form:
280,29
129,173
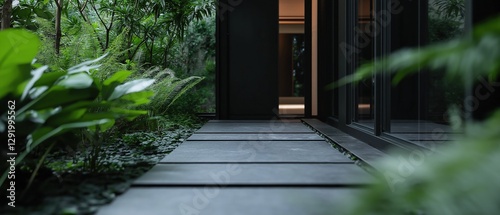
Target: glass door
420,103
363,91
291,59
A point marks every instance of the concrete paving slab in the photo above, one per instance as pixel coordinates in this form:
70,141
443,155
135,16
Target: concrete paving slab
256,127
230,201
324,128
256,174
419,126
438,136
434,145
361,150
256,121
255,151
258,137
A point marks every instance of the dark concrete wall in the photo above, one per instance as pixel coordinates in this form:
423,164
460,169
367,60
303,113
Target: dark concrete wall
247,65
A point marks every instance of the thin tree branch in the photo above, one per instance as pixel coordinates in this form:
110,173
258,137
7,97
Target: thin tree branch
97,13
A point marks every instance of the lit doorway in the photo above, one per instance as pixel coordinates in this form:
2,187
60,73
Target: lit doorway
291,59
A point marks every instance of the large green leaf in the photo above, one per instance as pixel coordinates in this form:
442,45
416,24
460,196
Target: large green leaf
37,74
139,98
80,105
44,133
49,78
120,77
109,85
86,66
13,77
77,81
58,96
18,48
130,87
100,115
38,116
66,117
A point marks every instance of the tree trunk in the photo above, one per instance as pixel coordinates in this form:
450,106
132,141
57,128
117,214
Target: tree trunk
110,27
151,50
166,51
6,13
59,7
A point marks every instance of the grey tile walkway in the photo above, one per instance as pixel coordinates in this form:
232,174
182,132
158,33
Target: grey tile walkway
251,167
255,127
230,201
255,174
258,137
255,151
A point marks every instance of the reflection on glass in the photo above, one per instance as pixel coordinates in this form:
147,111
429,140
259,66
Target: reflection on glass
298,52
363,91
419,110
291,74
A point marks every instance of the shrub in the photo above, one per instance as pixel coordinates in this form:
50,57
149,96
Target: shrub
43,104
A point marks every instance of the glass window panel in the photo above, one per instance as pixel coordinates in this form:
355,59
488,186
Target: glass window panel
420,103
364,92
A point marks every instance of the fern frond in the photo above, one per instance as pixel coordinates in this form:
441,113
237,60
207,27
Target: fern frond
182,87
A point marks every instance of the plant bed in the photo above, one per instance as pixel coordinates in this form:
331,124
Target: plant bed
64,184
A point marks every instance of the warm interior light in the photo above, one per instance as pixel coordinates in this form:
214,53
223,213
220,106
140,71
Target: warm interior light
294,109
294,106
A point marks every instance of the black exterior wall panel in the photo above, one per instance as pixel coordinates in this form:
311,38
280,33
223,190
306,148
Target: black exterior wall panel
326,60
248,65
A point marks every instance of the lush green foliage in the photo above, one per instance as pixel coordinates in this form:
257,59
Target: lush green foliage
24,14
49,103
138,35
441,29
195,56
463,179
82,111
450,8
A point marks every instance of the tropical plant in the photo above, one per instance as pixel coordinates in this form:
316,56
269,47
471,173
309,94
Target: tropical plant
167,89
156,26
450,8
441,29
179,35
195,56
463,179
46,103
24,14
